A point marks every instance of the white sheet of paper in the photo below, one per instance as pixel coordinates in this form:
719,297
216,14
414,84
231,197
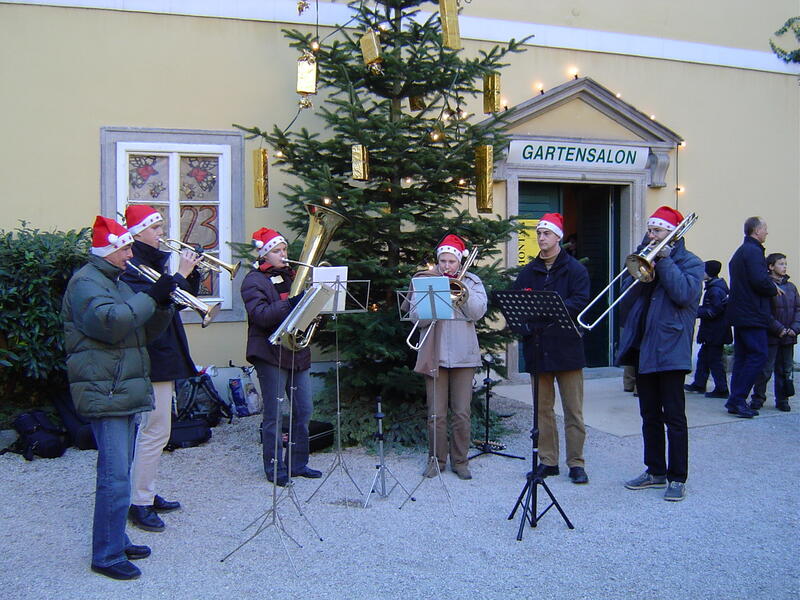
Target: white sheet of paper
328,275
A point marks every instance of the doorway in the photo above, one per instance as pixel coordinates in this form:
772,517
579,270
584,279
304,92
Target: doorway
591,234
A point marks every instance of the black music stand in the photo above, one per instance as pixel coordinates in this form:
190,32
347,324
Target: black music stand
529,313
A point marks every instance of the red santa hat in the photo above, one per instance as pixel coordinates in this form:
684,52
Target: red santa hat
665,218
108,236
139,217
266,239
452,244
553,222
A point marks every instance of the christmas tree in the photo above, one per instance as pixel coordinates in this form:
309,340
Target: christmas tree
408,109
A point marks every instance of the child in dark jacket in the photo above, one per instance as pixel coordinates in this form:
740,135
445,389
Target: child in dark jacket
714,332
781,337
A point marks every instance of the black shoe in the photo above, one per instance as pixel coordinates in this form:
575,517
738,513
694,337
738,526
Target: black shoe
690,387
134,552
578,475
743,412
161,505
308,473
755,405
544,470
283,479
144,517
718,394
121,570
783,406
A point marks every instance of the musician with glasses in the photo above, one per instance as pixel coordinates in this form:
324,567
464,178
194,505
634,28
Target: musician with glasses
447,360
265,292
657,340
169,358
106,328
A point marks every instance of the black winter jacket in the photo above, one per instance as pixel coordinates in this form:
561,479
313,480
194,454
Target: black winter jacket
714,327
785,314
558,350
751,286
169,354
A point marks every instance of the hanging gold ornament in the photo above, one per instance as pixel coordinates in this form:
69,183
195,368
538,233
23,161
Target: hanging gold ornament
360,161
302,5
448,13
304,102
416,103
261,177
371,51
491,93
307,73
484,165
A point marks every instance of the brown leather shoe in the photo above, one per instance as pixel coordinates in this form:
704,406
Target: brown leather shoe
462,471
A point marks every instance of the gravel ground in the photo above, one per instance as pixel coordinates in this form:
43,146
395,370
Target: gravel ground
735,536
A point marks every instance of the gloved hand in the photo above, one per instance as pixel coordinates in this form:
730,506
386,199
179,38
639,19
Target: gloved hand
161,289
664,252
295,299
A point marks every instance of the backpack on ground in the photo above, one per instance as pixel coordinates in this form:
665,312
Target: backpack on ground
187,433
38,436
79,431
197,398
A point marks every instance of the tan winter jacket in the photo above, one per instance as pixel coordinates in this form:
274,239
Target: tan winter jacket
453,343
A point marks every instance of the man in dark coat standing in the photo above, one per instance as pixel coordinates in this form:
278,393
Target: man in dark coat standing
560,357
714,332
170,360
657,340
750,314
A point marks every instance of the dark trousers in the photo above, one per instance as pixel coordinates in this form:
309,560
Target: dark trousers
749,356
709,360
662,403
780,361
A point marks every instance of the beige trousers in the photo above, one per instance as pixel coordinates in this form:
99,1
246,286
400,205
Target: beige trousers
150,441
453,388
570,387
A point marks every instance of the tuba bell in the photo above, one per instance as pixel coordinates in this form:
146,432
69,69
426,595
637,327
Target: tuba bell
323,222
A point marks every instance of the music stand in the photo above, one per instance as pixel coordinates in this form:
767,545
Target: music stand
530,312
343,301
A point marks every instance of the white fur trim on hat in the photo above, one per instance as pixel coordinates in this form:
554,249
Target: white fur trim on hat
114,243
148,221
551,227
264,248
451,249
656,222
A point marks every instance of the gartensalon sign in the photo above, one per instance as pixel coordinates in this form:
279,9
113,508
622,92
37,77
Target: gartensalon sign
576,155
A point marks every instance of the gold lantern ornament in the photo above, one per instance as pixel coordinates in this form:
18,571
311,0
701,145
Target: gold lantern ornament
371,51
491,93
484,166
306,77
261,177
448,13
302,6
360,162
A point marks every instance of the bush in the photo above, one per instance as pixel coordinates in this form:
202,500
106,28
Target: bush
35,267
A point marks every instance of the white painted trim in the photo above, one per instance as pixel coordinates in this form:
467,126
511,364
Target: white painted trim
174,151
476,28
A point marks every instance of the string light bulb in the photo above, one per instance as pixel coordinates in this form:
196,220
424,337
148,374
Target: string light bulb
315,46
504,103
573,72
682,144
680,189
652,117
618,95
326,200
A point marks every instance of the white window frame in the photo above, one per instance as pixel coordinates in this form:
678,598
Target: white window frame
174,152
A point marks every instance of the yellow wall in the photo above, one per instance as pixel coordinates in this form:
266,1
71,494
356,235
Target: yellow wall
68,72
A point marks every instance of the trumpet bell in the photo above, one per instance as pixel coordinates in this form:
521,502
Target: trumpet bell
210,314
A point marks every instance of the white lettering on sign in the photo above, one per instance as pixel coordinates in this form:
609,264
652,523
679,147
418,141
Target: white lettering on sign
577,155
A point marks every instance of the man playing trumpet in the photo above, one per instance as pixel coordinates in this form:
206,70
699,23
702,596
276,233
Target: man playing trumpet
170,360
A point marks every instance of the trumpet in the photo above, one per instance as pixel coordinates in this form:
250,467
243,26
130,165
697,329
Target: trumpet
206,260
641,266
207,312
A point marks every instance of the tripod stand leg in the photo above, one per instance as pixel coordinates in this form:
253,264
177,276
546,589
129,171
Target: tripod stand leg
557,505
526,509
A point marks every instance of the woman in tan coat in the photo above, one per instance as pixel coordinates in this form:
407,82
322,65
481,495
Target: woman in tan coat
447,359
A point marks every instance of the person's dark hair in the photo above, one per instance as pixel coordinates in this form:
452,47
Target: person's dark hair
774,257
751,224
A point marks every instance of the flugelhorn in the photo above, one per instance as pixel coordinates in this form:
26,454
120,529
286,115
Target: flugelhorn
206,260
640,266
207,312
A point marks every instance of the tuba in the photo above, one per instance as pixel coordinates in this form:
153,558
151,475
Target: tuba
323,222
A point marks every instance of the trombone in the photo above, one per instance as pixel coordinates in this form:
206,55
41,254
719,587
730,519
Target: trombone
641,266
180,297
206,260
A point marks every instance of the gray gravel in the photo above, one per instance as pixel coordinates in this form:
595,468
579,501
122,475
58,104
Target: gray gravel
735,536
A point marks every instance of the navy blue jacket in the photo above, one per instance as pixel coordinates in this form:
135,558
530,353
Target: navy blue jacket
714,327
169,353
785,315
668,306
558,350
751,286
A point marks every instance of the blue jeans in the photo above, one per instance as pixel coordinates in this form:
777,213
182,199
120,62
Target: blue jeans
115,438
749,356
275,382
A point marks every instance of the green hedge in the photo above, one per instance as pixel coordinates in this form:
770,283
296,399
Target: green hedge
35,267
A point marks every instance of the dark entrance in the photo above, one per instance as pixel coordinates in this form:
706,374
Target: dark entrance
591,233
